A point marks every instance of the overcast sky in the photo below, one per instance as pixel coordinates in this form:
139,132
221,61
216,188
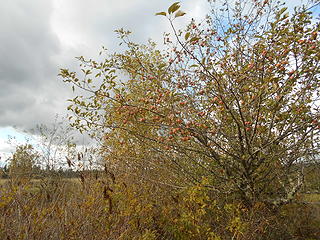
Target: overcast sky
38,37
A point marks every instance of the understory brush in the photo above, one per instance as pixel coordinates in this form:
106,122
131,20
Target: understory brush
95,207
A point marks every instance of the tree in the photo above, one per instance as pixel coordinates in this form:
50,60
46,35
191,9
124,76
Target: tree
24,162
61,147
234,99
55,142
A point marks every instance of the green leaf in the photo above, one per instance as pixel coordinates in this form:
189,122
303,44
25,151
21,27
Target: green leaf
282,10
187,36
194,39
179,14
174,7
161,14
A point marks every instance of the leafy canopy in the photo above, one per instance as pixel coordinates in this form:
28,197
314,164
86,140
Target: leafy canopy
233,99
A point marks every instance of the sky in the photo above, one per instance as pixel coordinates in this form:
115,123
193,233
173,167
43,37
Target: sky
38,37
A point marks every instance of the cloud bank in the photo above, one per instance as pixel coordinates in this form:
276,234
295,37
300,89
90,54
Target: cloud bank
39,37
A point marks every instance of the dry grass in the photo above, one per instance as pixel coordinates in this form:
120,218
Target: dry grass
312,197
52,209
90,208
3,181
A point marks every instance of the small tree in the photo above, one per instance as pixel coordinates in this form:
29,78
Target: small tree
234,99
55,142
24,162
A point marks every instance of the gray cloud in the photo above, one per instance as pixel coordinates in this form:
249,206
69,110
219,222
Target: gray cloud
27,47
38,37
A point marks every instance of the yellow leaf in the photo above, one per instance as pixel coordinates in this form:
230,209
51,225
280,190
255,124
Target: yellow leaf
179,14
161,14
174,7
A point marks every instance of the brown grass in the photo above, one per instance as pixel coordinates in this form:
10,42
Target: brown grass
90,208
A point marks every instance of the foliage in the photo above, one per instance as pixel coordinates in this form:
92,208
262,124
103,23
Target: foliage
216,137
96,207
24,162
233,99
